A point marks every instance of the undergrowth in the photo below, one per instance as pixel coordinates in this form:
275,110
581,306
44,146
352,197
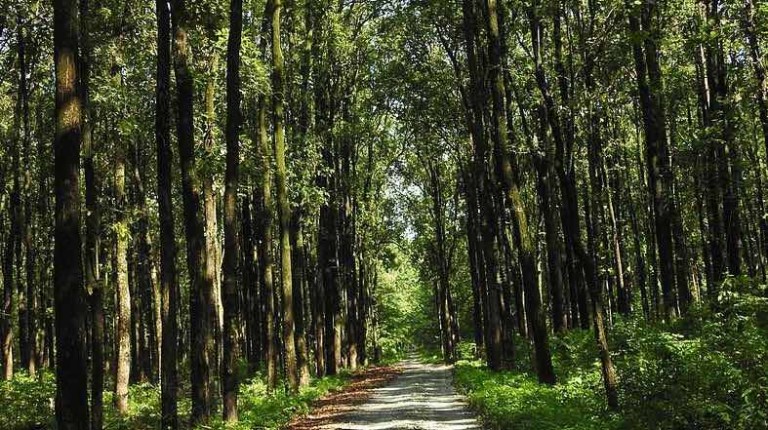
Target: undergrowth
708,370
27,403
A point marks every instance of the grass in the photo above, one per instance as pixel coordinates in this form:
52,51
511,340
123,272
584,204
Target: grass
28,403
515,400
708,370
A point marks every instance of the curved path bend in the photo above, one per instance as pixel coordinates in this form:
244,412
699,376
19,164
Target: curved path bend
422,397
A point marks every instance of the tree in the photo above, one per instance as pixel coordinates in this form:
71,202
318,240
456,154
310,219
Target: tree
283,207
168,282
70,299
201,304
231,245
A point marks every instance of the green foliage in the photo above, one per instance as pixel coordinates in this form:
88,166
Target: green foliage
705,371
27,402
143,408
259,410
404,307
511,400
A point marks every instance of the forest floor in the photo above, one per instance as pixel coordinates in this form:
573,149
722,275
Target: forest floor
421,397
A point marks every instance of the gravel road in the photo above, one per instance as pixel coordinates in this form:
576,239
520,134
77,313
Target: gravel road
422,397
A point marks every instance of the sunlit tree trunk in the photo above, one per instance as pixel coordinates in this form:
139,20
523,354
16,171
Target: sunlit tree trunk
283,207
123,304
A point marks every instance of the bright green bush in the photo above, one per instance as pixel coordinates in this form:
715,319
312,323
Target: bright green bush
27,402
513,400
708,370
261,411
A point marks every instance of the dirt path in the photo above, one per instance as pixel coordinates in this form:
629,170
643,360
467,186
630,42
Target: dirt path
422,397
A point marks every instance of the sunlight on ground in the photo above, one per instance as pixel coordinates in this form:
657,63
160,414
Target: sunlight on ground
421,398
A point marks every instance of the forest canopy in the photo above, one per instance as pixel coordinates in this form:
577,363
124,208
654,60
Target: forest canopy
213,209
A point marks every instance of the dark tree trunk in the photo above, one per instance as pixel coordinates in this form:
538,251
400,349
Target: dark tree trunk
720,115
169,298
656,152
27,309
201,285
231,245
758,68
70,299
299,283
92,229
545,189
12,255
475,261
573,236
145,285
488,219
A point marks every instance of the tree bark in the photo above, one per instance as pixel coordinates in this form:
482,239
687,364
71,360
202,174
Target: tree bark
92,228
123,304
283,207
572,232
201,306
70,298
656,152
230,268
168,282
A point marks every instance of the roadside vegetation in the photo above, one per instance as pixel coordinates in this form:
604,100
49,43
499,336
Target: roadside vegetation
704,371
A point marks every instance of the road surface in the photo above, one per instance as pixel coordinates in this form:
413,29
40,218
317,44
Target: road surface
422,397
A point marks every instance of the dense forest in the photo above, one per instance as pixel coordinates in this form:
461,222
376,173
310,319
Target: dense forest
208,204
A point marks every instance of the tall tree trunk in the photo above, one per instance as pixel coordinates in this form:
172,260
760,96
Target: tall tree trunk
210,205
711,183
299,282
123,304
720,112
27,314
546,191
524,242
649,86
441,259
477,271
488,219
70,298
572,232
92,228
283,207
11,257
263,197
231,245
201,285
168,282
145,286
